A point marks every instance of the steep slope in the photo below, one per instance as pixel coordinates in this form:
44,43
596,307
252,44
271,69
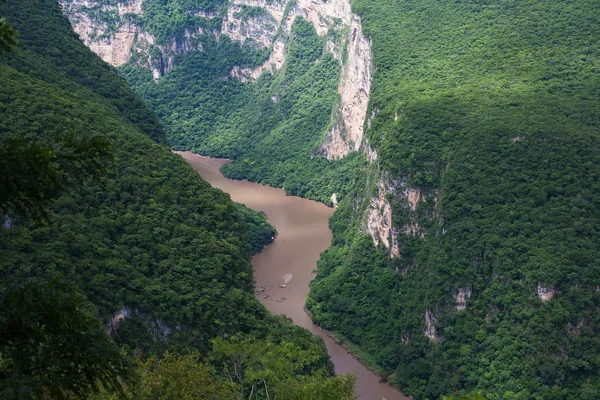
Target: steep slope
281,87
466,244
481,195
163,257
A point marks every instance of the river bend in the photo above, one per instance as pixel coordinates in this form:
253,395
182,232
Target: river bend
286,267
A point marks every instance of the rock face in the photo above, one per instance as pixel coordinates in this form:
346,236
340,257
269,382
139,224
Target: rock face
109,31
116,319
356,70
256,23
430,321
113,43
259,27
354,88
461,298
379,221
545,293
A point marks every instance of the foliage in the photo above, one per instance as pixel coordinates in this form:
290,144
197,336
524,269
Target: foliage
51,346
272,129
8,36
31,173
168,19
150,242
476,396
174,377
490,110
237,369
70,66
266,370
260,232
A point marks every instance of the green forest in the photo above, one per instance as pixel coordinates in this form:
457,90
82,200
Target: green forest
120,266
272,128
491,110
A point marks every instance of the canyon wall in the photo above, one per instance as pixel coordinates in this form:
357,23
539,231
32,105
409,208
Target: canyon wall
117,32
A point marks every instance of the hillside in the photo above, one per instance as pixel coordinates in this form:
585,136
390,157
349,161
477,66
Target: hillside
466,239
162,258
200,65
485,202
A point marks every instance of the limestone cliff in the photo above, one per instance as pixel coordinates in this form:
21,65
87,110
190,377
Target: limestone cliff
115,30
113,42
354,88
271,28
379,220
112,29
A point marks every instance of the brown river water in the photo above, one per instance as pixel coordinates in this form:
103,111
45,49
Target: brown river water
303,233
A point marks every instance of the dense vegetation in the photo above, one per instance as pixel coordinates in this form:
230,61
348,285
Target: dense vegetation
149,241
491,111
271,129
492,107
169,19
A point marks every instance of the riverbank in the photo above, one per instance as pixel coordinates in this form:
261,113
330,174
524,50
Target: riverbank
284,269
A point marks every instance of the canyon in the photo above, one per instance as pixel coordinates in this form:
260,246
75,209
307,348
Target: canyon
120,38
285,268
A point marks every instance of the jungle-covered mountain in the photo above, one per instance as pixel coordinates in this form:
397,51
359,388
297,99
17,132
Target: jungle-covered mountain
486,197
148,248
198,65
465,253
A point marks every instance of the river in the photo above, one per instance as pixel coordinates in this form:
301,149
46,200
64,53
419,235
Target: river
285,268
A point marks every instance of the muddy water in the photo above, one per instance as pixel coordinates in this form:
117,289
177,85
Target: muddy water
303,233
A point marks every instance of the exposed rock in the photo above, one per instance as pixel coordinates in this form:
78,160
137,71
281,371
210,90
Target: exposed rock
379,221
517,139
430,321
117,42
373,113
354,89
356,75
116,320
461,298
395,248
576,330
130,7
260,29
405,339
411,228
113,44
370,153
207,14
436,198
413,196
273,63
545,293
334,200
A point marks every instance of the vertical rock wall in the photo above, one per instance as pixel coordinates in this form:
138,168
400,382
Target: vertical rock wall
108,30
